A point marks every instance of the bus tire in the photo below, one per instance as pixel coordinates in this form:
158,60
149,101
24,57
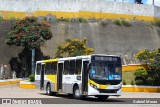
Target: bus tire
76,92
102,97
48,89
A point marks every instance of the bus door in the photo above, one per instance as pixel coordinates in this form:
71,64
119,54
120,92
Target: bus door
42,76
59,76
85,77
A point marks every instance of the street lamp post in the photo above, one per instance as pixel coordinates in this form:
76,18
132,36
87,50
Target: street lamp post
153,2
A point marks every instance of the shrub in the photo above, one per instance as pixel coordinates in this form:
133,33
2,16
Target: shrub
117,22
141,75
82,19
126,22
141,72
65,19
139,82
13,19
32,78
132,82
157,23
156,81
153,23
150,81
1,17
104,22
124,82
45,18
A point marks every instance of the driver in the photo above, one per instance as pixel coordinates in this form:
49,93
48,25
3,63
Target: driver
106,72
92,72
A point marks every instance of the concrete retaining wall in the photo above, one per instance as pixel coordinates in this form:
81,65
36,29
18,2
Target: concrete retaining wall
110,39
78,8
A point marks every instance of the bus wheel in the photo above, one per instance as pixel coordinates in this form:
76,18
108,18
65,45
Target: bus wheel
76,92
103,98
48,89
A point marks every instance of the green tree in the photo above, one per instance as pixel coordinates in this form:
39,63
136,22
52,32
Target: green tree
73,47
29,33
152,59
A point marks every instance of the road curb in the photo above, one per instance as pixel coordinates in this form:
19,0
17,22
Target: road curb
27,85
125,88
135,88
10,81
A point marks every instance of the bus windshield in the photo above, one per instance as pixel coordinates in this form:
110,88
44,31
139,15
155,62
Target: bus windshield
104,70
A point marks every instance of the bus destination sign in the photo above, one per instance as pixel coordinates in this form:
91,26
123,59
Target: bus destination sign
104,58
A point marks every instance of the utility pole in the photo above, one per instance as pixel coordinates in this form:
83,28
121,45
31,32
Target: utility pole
33,59
153,2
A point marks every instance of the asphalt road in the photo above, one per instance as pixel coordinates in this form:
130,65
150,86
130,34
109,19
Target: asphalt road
127,98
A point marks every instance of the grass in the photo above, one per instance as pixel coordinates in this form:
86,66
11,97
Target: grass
126,22
128,77
65,19
157,23
123,22
1,17
117,22
13,19
82,19
104,22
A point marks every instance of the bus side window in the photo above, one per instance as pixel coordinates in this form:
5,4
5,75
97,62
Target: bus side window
66,67
38,70
47,68
53,68
72,67
78,66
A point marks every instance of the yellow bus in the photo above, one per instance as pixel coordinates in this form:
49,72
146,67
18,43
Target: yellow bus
96,75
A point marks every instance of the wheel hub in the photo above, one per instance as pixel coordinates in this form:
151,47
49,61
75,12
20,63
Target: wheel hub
48,90
77,93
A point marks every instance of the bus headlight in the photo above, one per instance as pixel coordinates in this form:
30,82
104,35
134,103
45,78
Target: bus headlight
94,86
119,87
91,85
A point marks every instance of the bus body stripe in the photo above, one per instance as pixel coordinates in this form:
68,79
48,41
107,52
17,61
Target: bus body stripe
53,79
103,86
50,60
98,85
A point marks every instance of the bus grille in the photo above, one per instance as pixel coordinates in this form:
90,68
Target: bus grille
108,90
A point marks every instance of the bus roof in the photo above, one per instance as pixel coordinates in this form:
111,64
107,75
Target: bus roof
106,55
85,57
72,58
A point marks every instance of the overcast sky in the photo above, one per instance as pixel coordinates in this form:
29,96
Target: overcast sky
157,2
